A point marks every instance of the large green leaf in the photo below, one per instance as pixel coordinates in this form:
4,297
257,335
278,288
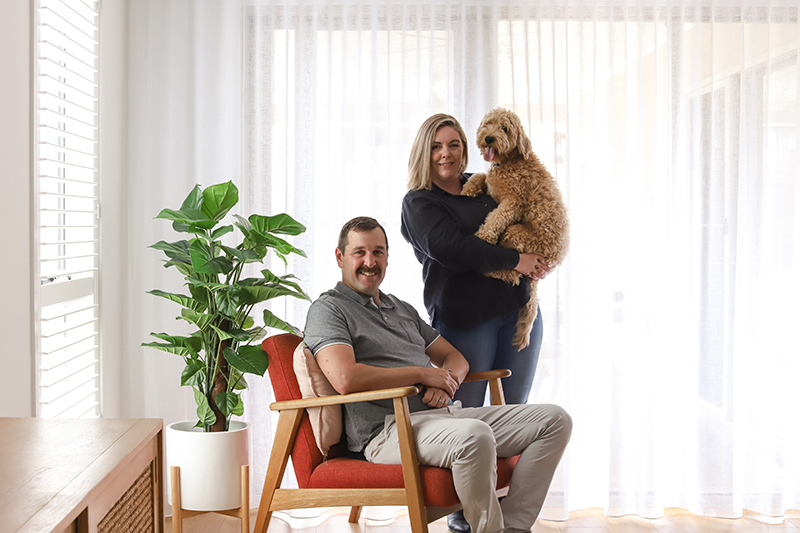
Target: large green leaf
205,415
256,334
194,200
185,263
186,228
271,321
254,295
184,268
201,320
204,262
219,232
227,304
178,250
193,343
283,224
239,335
248,359
219,199
193,373
200,295
245,256
243,224
182,299
236,381
229,403
190,217
210,286
168,347
284,280
280,245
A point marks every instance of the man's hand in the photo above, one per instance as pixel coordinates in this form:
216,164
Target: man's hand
435,397
441,379
447,358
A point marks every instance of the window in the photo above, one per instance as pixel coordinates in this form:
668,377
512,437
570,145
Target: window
67,373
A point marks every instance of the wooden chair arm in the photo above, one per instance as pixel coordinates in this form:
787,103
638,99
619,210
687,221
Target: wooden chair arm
366,396
495,385
489,374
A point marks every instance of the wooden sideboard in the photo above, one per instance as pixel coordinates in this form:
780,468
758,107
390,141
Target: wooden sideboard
83,476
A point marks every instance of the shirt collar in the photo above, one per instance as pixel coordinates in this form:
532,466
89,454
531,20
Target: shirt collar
464,178
360,298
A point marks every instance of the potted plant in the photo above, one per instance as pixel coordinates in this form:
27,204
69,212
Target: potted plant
225,344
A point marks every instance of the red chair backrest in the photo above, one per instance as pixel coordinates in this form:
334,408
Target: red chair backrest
305,454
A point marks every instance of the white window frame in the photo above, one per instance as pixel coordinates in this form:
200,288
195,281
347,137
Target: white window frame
81,368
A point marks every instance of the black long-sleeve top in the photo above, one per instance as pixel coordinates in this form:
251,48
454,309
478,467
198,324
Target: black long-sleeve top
441,227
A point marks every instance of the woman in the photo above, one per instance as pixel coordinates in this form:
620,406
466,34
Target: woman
475,313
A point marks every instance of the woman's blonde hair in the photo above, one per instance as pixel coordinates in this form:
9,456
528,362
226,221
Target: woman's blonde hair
419,161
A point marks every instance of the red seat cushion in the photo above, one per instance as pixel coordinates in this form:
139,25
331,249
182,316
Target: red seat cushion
437,483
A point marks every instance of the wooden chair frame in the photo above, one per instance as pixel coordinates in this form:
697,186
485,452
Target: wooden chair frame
291,412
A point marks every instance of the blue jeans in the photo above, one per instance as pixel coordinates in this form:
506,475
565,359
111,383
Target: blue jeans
488,347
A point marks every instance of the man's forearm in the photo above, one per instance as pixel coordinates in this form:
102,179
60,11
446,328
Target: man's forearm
457,365
360,377
338,363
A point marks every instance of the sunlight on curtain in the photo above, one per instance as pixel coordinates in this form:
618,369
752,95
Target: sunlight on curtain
672,130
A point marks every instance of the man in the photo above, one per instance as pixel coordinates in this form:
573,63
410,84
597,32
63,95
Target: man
364,339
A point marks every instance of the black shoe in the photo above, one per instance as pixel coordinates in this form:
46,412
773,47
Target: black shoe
457,523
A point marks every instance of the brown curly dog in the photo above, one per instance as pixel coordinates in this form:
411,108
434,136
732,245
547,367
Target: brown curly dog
530,216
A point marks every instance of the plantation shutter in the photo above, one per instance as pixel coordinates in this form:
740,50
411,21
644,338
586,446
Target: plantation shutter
68,368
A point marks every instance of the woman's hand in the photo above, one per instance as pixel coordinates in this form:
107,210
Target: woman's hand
534,265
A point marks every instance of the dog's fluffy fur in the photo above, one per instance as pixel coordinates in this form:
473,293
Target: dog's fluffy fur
530,216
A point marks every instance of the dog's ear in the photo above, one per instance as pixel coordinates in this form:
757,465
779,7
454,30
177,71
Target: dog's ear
524,146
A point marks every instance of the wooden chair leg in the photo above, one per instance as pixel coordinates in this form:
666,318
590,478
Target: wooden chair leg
245,510
177,519
496,394
288,422
355,514
411,476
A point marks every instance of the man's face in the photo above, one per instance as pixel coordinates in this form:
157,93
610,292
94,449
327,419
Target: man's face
364,261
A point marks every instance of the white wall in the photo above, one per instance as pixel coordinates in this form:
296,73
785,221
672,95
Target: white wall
113,127
16,353
18,273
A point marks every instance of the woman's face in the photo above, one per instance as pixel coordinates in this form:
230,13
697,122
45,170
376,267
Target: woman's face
446,155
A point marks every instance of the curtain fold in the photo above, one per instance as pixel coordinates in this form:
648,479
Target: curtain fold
672,129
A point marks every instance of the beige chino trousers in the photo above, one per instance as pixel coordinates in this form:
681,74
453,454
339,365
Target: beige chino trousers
469,440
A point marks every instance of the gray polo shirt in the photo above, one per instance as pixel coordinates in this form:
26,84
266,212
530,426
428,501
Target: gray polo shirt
388,336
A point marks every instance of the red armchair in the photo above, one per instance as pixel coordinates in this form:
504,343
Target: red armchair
341,480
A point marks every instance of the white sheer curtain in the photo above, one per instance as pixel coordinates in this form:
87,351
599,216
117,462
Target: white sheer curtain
672,128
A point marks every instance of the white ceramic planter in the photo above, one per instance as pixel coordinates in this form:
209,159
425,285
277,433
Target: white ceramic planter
210,465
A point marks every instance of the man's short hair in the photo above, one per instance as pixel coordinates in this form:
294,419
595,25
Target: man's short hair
360,225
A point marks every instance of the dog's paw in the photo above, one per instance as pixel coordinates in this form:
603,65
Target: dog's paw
468,190
474,186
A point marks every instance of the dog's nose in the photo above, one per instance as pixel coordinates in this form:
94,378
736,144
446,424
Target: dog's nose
489,139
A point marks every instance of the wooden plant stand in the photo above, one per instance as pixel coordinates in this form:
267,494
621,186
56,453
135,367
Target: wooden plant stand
178,513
